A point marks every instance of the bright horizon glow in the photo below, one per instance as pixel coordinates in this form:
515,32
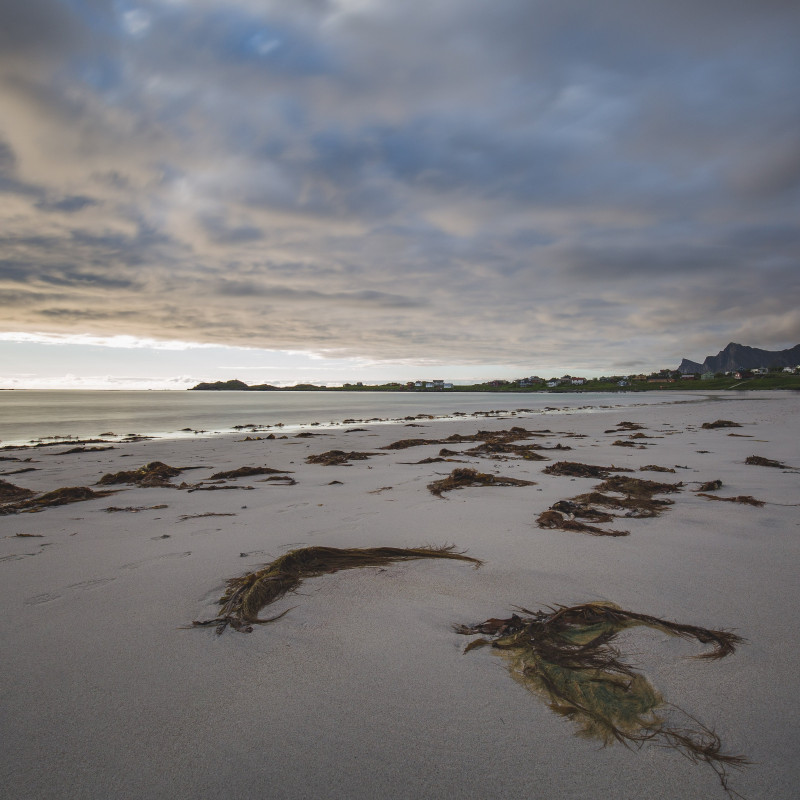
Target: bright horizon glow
39,360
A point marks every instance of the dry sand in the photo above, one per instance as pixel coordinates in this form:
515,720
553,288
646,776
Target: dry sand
362,690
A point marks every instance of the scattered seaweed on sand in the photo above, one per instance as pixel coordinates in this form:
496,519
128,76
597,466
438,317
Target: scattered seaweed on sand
281,480
497,437
462,477
760,461
720,423
623,443
156,473
20,471
246,472
745,499
248,594
655,468
381,489
58,497
710,486
184,517
10,492
574,469
333,458
566,657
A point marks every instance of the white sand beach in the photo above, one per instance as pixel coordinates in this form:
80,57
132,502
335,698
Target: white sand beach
362,689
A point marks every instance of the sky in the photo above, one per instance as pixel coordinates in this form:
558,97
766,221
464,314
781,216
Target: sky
325,191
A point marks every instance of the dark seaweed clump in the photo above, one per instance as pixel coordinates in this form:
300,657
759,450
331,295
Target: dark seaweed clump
463,477
246,595
10,493
156,473
759,461
246,472
574,469
655,468
566,656
58,497
335,458
720,423
710,486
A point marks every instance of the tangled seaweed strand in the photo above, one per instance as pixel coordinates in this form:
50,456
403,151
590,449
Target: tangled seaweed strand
246,595
463,476
720,423
746,499
566,657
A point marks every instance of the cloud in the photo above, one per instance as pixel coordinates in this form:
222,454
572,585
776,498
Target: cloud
452,181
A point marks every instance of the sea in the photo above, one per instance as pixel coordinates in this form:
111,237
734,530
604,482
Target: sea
28,417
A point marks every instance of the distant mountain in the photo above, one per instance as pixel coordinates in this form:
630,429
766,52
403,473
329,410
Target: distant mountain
739,356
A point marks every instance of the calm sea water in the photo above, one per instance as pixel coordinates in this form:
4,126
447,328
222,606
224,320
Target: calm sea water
26,416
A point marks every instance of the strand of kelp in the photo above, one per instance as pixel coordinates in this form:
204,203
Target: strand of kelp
248,594
566,656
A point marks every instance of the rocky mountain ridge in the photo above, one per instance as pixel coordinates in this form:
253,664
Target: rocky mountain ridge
739,356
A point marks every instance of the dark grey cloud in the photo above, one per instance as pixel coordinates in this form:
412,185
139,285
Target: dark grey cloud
460,181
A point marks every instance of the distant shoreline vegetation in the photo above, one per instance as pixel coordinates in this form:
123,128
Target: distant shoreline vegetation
664,381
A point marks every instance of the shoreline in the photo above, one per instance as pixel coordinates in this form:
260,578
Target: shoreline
362,688
103,427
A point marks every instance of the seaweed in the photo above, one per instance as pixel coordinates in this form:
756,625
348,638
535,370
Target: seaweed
623,443
10,492
566,656
155,473
248,594
463,476
720,423
58,497
710,486
556,519
184,517
655,468
574,469
246,472
496,450
334,458
630,426
74,450
134,509
759,461
745,499
404,444
497,437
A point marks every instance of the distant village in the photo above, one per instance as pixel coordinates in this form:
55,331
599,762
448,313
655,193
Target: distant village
664,376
